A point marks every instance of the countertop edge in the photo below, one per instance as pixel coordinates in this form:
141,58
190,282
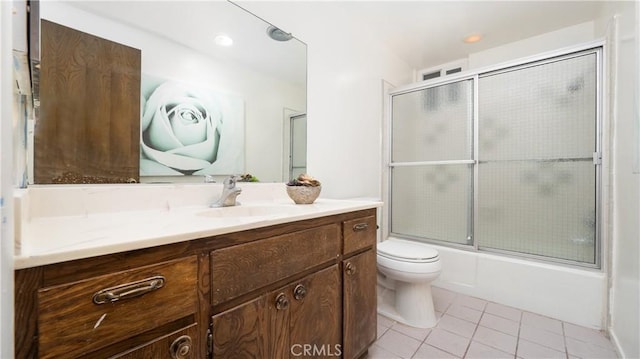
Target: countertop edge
23,261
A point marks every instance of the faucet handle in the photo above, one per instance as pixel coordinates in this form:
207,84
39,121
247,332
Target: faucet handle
230,182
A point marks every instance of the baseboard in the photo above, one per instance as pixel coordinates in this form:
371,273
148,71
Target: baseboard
616,344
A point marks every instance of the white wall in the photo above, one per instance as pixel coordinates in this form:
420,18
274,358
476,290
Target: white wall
6,181
345,69
265,97
550,41
625,200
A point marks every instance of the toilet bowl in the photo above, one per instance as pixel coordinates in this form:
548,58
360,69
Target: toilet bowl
407,269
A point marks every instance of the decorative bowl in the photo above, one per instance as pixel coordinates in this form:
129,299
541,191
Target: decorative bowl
303,194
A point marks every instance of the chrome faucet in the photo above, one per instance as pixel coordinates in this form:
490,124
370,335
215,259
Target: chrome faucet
229,193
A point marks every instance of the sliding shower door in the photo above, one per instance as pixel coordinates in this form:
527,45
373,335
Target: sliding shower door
525,183
432,163
536,171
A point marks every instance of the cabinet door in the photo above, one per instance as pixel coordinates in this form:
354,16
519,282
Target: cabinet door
241,332
360,301
316,315
179,345
302,318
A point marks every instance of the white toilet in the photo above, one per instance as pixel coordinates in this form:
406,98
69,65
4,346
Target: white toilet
407,269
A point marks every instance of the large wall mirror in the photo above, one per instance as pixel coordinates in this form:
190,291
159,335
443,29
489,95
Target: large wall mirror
245,96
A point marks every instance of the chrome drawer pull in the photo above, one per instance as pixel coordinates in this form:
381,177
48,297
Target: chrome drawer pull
129,290
360,227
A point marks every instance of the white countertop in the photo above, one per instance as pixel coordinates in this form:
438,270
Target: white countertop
46,238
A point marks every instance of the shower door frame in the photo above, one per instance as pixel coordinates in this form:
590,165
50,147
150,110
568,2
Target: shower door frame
599,49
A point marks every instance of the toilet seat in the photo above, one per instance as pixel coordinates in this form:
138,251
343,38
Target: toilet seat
407,251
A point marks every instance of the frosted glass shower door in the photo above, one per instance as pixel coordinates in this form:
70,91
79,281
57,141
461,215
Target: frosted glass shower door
536,172
431,163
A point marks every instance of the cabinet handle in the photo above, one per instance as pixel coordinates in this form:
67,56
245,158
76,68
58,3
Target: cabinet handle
350,268
282,302
360,227
129,290
299,292
181,347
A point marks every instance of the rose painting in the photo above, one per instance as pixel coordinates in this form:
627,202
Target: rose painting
186,130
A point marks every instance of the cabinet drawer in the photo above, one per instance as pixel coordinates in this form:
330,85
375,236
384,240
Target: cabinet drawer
359,233
246,267
184,341
84,316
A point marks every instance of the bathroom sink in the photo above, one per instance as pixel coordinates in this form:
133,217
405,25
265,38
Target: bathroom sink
250,211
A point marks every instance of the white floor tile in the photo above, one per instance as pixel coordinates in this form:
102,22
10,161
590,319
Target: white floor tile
398,344
529,350
381,330
500,324
462,312
542,337
542,322
587,335
469,328
376,352
457,326
496,339
503,311
481,351
415,333
447,341
426,351
588,351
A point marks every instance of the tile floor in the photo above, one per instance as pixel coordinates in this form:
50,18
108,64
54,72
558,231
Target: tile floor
474,328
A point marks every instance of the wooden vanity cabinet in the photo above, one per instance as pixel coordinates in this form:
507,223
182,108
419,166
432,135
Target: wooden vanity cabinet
360,303
304,288
283,323
359,272
128,311
304,312
328,313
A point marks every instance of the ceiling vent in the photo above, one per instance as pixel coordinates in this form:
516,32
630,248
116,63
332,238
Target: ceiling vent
442,70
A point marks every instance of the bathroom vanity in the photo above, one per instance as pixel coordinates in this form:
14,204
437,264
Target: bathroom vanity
297,282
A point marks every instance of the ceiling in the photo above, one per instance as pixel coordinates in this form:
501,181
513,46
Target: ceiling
423,33
195,24
430,33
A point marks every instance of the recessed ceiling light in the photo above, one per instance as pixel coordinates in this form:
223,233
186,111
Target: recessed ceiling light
223,40
472,38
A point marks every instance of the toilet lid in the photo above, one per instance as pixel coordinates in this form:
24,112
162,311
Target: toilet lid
407,251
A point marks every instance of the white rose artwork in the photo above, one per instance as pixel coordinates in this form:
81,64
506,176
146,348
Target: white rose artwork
188,131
